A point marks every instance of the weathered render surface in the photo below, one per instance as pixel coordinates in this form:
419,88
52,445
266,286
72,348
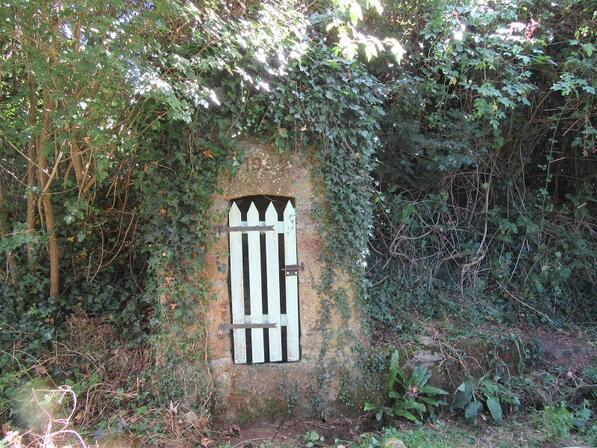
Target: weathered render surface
271,390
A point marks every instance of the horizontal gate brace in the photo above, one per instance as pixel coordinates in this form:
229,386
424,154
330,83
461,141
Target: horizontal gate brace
292,269
228,229
224,328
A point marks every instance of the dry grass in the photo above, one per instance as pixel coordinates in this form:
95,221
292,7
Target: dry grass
112,382
47,429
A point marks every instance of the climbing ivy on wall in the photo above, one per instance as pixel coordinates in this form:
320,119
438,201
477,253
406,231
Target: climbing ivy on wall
327,108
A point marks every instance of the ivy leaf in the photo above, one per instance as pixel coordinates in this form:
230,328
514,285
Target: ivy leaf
565,273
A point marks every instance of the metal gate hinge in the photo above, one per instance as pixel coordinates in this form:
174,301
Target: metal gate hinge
292,269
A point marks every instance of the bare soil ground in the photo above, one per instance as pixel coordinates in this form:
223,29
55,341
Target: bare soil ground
574,351
565,351
517,433
288,433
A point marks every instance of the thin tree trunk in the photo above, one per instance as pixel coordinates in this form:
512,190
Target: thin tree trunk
10,259
46,200
75,148
31,169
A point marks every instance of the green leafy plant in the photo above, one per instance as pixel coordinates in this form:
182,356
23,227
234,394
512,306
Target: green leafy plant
556,421
313,439
473,397
582,416
410,396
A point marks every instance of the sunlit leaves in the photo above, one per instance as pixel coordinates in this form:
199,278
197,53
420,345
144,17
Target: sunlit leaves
396,48
375,4
348,14
334,105
355,13
116,77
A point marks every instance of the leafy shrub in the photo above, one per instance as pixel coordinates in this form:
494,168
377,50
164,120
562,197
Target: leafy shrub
590,376
474,397
485,214
556,421
313,439
591,435
410,396
420,437
582,416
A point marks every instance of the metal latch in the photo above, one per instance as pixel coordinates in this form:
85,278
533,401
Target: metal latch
228,229
292,269
224,328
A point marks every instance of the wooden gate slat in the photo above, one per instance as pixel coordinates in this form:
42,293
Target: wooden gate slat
237,287
273,285
292,311
255,285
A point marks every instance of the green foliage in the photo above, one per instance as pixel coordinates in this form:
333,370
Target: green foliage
473,397
10,379
325,103
470,166
346,16
420,437
409,395
557,422
141,112
120,109
582,416
483,215
313,439
328,107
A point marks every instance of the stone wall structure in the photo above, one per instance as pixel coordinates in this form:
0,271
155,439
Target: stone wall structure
269,391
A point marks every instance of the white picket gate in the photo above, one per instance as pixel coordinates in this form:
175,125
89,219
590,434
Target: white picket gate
255,320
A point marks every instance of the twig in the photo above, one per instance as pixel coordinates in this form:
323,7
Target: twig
526,304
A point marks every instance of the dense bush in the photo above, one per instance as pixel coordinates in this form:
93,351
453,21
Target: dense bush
487,207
